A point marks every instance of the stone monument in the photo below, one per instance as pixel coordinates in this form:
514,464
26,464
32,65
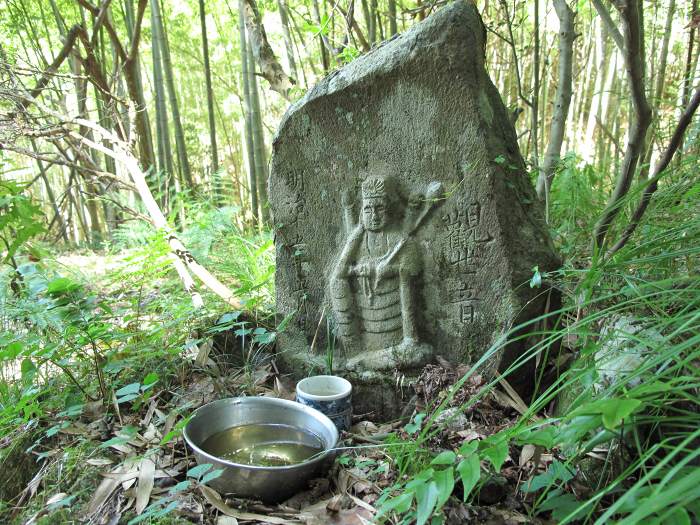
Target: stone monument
405,223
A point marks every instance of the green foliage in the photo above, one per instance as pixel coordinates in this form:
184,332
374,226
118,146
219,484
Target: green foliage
576,199
20,219
631,391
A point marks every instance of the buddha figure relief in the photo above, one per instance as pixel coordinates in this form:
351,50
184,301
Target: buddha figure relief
373,283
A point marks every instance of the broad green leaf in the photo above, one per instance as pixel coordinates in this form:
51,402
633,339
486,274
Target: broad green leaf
613,411
211,475
167,438
71,411
420,479
264,338
122,437
199,470
679,516
445,482
126,398
54,503
61,285
563,506
11,351
426,498
56,428
469,470
150,379
28,370
229,317
616,410
131,388
496,453
179,487
414,426
446,457
468,447
557,472
399,504
571,432
543,437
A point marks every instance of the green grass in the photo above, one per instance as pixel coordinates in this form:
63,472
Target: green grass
644,419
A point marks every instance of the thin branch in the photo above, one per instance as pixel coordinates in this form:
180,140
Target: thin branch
659,171
51,70
609,24
99,20
95,11
631,16
511,43
140,10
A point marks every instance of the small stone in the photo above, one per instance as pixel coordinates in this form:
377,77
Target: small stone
452,419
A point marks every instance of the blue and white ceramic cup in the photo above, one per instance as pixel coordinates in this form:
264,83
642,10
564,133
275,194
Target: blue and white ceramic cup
331,395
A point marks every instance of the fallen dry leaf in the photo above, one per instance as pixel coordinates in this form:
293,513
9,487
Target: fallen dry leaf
101,495
218,503
364,428
321,513
469,434
99,462
526,454
147,471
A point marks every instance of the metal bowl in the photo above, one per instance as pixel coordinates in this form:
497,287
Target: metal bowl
261,482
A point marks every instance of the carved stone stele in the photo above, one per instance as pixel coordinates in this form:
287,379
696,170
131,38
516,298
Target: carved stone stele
406,224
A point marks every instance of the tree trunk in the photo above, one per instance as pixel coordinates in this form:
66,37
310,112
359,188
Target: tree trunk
687,77
321,37
134,85
392,18
269,65
534,110
372,29
631,15
248,113
258,141
562,97
52,199
289,46
659,88
210,94
594,111
165,154
159,33
365,15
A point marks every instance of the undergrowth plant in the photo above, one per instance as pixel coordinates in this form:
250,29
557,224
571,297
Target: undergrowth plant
80,347
626,427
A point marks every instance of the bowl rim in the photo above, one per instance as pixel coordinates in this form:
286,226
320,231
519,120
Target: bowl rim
214,460
347,390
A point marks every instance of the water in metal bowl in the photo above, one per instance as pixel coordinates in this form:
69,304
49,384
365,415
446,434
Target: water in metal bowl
268,445
267,448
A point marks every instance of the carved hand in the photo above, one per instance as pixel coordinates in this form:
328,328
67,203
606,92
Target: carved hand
382,268
362,270
356,232
346,199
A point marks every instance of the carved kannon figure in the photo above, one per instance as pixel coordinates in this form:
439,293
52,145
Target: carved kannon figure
372,286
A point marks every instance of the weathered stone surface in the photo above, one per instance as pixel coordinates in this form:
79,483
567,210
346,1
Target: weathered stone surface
406,225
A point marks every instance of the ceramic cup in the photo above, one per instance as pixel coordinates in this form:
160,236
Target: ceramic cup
331,395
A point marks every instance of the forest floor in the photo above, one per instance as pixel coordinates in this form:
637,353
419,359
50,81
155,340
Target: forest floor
123,460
